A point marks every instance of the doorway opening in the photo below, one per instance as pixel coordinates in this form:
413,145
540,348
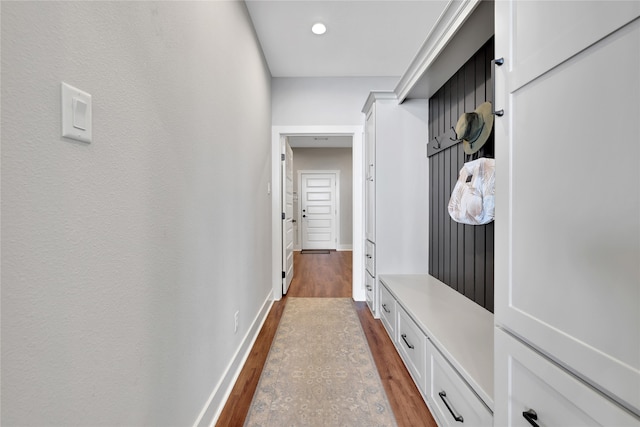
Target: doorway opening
309,211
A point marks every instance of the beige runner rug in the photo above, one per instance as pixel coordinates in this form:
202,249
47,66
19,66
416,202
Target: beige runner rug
320,371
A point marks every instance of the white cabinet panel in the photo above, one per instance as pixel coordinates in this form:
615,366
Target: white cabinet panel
412,346
452,400
387,308
369,289
545,35
370,257
369,168
556,397
396,232
567,188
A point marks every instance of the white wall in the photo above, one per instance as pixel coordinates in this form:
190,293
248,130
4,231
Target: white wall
329,159
124,260
310,101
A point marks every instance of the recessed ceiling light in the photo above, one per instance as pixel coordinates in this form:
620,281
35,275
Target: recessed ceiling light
318,28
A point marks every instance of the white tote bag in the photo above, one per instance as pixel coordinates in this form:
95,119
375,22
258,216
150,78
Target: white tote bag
473,198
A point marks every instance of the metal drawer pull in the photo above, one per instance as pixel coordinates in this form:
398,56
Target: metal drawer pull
404,337
442,395
530,416
384,306
495,62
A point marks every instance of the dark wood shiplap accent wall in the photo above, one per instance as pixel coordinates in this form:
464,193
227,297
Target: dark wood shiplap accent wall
462,256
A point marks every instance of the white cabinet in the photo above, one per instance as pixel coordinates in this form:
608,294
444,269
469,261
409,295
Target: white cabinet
567,236
539,388
453,401
388,311
370,274
370,257
396,196
369,168
369,287
412,346
446,342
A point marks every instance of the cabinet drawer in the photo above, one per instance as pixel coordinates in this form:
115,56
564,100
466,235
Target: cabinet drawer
370,257
451,397
387,309
525,381
369,289
412,346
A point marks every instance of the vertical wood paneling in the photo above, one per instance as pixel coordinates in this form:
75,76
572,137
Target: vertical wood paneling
479,232
461,256
460,227
459,163
431,198
453,166
442,213
469,233
489,228
446,272
489,260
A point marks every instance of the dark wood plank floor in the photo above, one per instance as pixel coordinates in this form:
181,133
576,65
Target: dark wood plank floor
320,275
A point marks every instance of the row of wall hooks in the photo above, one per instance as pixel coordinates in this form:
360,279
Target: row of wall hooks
456,139
444,141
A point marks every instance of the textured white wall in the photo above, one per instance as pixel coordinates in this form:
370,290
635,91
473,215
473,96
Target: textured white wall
124,260
329,159
329,101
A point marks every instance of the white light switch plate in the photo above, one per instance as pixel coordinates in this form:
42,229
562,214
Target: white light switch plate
76,113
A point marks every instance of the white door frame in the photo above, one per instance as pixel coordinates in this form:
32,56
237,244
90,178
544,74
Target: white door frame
337,201
356,132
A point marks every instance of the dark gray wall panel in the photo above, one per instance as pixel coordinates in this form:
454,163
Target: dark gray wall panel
459,255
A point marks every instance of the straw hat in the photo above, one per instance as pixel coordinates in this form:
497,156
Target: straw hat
474,128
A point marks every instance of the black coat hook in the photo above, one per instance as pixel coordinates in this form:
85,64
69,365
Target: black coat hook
437,142
454,134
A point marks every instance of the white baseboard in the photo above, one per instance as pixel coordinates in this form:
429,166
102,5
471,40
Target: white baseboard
218,398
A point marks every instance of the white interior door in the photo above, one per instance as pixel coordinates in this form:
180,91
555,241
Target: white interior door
287,221
318,213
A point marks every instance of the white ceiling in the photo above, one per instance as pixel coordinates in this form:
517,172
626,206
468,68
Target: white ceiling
363,38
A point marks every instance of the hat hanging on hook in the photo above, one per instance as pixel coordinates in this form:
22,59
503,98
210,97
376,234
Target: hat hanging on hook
474,128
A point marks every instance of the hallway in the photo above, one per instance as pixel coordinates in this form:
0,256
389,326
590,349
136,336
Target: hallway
330,276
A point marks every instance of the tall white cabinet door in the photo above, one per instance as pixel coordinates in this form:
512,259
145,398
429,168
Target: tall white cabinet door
370,161
567,276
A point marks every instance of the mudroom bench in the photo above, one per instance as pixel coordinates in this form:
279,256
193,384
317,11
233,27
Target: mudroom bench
446,342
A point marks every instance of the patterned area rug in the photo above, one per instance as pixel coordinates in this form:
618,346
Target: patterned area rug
319,371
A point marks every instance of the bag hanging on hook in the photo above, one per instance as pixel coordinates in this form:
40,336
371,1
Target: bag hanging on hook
473,198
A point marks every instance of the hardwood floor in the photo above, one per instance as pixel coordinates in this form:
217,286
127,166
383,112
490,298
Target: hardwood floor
320,275
326,276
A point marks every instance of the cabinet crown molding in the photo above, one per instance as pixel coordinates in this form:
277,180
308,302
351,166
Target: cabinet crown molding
451,22
378,95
